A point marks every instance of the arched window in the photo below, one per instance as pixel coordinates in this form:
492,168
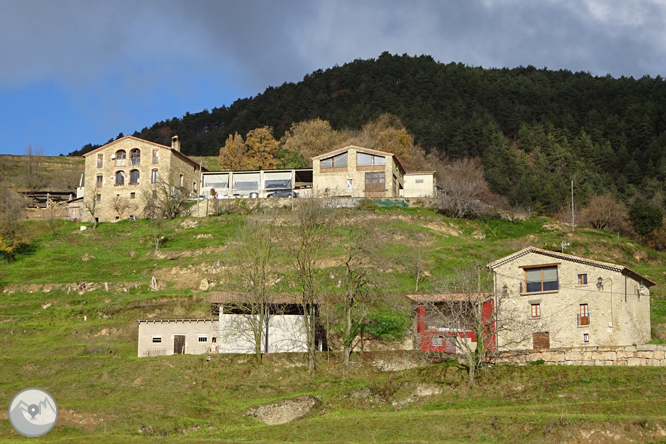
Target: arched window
134,177
135,156
120,158
120,178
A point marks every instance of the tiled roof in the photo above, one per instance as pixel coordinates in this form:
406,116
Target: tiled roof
450,297
272,298
568,257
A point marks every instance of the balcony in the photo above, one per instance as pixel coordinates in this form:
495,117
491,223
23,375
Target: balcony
583,320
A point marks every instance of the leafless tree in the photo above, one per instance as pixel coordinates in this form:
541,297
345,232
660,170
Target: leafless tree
477,321
91,206
52,208
32,176
165,200
255,279
604,212
463,186
120,205
356,276
312,231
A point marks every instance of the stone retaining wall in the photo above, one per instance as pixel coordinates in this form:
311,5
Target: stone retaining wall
633,355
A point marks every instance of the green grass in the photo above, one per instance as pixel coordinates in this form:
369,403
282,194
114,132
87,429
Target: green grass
82,347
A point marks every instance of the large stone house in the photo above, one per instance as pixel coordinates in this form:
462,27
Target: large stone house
120,174
357,172
547,299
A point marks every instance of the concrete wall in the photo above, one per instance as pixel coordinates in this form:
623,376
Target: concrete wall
333,181
632,355
414,188
167,329
619,312
286,333
169,166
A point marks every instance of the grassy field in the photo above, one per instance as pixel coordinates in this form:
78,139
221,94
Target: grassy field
81,345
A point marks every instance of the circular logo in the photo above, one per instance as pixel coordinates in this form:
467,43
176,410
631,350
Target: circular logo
33,412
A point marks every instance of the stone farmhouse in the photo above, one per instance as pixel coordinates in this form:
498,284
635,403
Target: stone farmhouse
120,174
558,301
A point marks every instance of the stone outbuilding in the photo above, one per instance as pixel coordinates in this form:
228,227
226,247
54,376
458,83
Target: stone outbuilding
560,300
357,172
162,337
121,174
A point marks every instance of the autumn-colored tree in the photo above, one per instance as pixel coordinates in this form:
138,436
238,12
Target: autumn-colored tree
233,155
12,233
604,212
310,138
262,149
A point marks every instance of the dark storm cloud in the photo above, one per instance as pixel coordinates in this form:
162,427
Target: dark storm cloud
260,43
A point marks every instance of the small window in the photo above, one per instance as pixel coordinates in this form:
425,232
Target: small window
437,341
180,181
418,181
153,176
99,180
100,160
349,184
132,195
120,158
536,310
154,194
586,337
156,156
157,338
98,198
582,279
194,186
203,338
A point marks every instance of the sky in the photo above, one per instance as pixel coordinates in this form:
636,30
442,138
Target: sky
74,72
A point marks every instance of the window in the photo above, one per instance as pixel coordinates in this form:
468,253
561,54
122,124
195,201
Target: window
157,338
132,195
203,338
584,315
153,176
156,156
98,198
536,310
134,177
120,158
418,181
180,181
349,184
375,181
154,194
120,178
437,341
99,180
582,279
194,186
586,337
363,159
135,157
100,160
335,162
541,279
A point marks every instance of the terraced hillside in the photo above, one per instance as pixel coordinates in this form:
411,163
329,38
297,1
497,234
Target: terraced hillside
69,306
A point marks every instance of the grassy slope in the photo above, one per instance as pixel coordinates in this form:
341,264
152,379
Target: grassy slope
60,172
106,393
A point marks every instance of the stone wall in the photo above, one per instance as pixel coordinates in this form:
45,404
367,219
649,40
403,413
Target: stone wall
631,355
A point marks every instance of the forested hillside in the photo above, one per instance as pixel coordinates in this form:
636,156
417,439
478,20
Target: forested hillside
534,129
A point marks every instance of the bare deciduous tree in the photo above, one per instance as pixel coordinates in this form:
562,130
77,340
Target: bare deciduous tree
32,176
463,186
604,212
312,224
91,206
120,205
165,201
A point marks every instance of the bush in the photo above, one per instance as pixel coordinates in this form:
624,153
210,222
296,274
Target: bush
645,218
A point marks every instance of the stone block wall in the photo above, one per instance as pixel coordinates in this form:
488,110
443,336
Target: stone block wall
631,355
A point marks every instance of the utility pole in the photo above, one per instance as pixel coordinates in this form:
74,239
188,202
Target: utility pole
573,215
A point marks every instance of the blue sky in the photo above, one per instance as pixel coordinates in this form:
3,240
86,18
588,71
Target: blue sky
77,71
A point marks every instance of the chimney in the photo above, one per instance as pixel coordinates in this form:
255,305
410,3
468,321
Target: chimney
175,143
